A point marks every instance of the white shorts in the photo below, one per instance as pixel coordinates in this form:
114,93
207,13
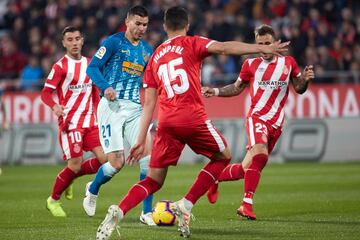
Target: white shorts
119,121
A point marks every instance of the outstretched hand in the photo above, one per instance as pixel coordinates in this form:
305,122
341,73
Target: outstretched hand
207,92
309,73
277,48
135,153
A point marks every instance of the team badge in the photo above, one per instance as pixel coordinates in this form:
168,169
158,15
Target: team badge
100,52
146,57
76,148
285,70
107,143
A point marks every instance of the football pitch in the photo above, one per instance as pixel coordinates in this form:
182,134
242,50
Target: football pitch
293,201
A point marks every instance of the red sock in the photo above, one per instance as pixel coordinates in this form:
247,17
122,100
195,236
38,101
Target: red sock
206,178
62,181
232,172
89,166
252,175
137,193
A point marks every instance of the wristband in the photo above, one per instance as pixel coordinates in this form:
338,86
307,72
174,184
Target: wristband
216,91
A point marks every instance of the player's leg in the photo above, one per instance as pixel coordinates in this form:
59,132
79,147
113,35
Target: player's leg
162,156
62,182
258,137
105,173
111,122
232,172
71,143
131,132
205,139
136,194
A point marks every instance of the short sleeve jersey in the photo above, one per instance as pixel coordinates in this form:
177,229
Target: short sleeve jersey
174,70
269,86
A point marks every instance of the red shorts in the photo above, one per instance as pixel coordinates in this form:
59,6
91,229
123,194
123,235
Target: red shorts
74,142
261,132
169,142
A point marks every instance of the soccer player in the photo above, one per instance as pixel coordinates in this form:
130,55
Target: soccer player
117,69
268,77
77,101
173,76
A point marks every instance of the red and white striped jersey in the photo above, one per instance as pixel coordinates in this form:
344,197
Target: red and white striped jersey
75,92
269,86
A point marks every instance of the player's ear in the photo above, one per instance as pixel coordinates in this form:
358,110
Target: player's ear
187,27
63,43
164,26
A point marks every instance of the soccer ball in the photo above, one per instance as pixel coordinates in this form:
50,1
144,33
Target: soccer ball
163,215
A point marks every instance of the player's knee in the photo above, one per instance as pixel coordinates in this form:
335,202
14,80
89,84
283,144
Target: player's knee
74,164
224,155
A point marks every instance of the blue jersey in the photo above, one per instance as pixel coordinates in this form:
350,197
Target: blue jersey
119,64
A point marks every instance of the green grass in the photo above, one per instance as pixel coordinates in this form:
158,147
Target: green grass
293,201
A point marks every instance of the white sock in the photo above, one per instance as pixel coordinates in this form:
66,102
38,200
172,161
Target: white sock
187,204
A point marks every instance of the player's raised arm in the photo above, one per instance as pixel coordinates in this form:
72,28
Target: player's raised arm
241,48
137,150
301,82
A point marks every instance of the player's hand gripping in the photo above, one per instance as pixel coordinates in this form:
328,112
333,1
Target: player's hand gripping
309,73
136,152
110,94
277,48
207,92
58,110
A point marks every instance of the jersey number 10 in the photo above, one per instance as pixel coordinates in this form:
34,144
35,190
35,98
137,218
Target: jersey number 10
167,73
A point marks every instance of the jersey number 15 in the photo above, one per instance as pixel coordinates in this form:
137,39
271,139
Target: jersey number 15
167,73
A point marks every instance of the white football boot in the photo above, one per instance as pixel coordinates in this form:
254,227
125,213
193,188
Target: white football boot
183,217
89,202
112,218
147,219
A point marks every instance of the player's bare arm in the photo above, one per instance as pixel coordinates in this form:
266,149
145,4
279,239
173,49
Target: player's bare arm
226,91
301,83
136,152
241,48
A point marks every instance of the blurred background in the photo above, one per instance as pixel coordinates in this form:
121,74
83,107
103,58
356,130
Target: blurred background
324,122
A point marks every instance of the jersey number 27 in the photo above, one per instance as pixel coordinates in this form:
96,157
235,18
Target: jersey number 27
167,73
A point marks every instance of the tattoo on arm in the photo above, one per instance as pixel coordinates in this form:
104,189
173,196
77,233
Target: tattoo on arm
232,89
300,84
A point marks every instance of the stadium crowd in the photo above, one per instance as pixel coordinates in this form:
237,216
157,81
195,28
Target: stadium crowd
324,33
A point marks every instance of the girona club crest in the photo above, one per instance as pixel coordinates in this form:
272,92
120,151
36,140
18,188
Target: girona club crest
285,70
76,148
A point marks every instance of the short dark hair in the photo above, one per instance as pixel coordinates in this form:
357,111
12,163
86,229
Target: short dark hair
263,30
70,29
138,10
176,18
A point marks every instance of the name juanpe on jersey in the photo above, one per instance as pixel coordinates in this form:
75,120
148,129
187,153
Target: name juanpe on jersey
166,49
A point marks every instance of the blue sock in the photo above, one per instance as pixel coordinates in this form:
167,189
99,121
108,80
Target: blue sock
147,203
103,175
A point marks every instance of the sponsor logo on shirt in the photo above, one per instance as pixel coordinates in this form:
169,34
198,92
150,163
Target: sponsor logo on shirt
100,52
132,68
272,84
80,87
